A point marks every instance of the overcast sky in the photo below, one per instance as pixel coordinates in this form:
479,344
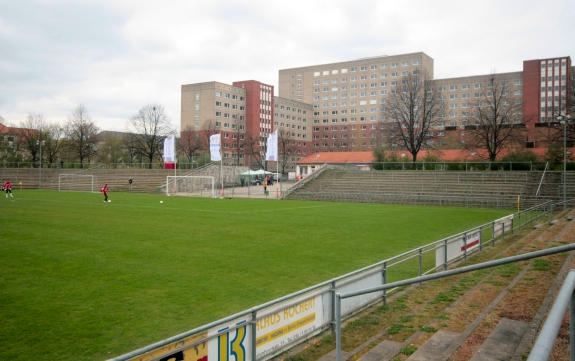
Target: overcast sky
116,56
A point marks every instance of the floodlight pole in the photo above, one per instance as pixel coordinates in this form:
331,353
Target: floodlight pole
563,119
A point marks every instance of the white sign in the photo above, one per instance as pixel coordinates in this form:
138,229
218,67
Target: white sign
215,146
456,247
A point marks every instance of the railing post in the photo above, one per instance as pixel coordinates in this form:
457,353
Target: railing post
384,273
572,327
420,264
480,238
445,255
465,246
338,327
253,329
550,212
493,233
503,230
333,312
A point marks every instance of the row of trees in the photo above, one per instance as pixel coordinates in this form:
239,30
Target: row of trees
79,138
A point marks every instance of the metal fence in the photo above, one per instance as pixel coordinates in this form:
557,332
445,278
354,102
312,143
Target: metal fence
271,328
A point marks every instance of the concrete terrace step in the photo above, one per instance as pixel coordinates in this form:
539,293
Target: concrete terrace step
502,342
386,350
435,346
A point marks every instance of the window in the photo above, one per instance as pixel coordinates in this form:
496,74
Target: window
218,93
477,86
353,69
465,86
383,66
373,67
218,114
517,92
452,87
404,63
394,74
441,97
383,75
363,77
416,62
517,82
452,106
316,82
404,73
453,96
441,88
373,76
363,68
394,65
464,96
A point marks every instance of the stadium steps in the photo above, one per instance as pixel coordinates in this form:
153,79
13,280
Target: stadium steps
474,315
434,188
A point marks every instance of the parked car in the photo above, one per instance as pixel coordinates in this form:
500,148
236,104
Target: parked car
256,182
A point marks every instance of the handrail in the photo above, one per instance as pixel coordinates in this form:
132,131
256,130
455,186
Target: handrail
476,267
542,177
543,346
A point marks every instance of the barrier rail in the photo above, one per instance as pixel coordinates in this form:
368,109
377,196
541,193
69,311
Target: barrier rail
266,330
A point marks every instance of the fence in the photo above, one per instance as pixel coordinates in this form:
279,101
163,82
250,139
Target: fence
271,328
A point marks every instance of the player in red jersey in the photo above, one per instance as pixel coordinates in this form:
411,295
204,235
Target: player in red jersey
8,188
105,190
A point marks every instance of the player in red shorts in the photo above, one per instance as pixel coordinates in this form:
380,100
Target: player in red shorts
105,190
8,188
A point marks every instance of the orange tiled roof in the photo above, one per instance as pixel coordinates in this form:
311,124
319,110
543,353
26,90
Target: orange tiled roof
444,155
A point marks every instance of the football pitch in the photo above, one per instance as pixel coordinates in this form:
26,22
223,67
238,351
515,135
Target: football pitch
81,279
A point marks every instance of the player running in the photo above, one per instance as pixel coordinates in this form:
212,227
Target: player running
8,187
105,190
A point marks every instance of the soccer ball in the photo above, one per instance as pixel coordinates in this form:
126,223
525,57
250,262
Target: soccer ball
109,201
161,201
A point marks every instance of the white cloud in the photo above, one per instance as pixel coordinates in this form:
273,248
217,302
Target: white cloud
116,56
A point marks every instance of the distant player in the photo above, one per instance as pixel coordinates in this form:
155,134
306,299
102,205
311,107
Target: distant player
8,188
105,190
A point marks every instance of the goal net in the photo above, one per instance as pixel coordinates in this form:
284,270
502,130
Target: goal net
190,185
76,182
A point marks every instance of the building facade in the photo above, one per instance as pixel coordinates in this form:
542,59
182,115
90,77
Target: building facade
339,106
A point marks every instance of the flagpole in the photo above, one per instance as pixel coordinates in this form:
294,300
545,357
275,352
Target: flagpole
221,165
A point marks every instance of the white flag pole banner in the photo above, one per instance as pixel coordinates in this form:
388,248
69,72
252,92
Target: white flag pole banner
169,149
272,151
215,145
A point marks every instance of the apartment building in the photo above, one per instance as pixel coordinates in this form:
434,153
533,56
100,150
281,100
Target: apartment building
244,112
338,106
346,97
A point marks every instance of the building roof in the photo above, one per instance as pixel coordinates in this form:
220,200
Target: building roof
444,155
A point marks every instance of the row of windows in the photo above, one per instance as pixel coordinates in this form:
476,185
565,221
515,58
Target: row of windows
293,109
219,94
553,88
366,67
551,78
550,65
226,105
227,115
363,77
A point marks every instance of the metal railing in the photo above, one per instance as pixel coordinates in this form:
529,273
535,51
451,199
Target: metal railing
262,346
498,262
543,346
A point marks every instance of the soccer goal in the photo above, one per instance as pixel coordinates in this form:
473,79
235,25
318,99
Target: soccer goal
76,182
190,185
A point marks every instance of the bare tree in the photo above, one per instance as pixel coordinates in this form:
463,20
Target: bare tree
190,142
31,134
255,150
150,126
286,148
209,128
497,118
82,134
111,150
411,112
52,137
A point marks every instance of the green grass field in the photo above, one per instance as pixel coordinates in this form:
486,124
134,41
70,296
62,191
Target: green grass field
84,280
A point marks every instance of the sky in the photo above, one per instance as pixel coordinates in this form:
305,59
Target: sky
117,56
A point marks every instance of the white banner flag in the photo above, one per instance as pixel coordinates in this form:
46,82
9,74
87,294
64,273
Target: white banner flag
215,146
272,151
169,149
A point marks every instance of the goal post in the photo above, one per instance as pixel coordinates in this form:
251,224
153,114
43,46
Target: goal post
76,182
190,185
